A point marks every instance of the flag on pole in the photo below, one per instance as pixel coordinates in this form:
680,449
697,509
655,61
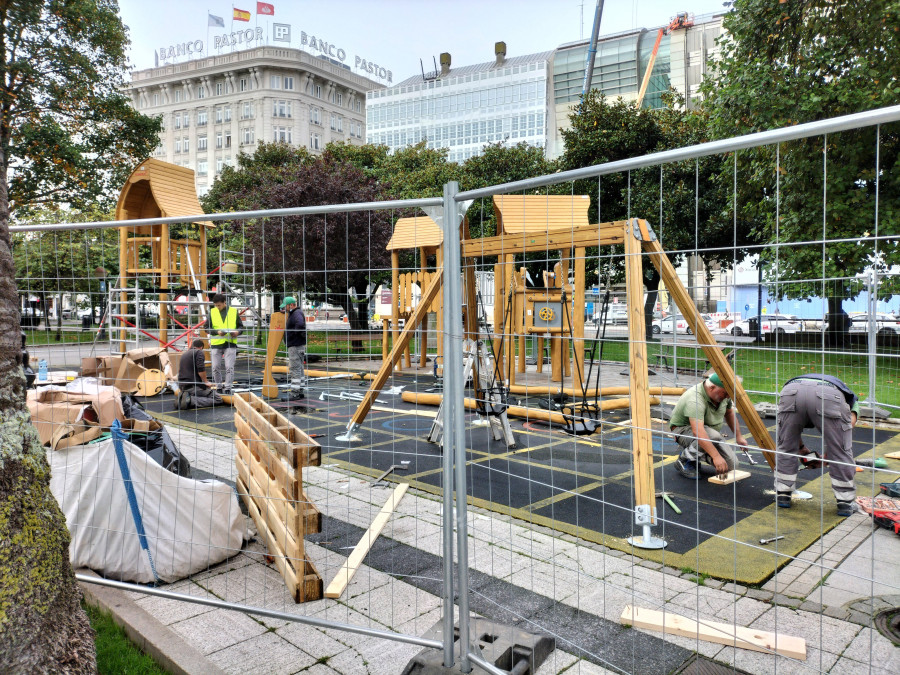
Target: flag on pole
265,8
217,21
240,14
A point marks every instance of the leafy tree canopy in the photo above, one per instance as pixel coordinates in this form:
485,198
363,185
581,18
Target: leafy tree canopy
798,61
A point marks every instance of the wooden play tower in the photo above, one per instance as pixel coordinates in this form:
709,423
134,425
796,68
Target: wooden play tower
158,189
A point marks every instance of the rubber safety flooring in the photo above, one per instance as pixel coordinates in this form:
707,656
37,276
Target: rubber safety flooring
582,485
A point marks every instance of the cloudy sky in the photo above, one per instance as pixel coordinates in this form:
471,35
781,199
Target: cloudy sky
395,34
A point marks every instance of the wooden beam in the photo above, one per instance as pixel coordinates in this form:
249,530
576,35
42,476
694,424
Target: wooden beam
345,574
276,335
715,631
730,477
605,234
578,319
421,310
395,296
707,342
641,441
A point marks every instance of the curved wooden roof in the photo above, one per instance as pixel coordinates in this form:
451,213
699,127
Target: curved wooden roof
157,189
417,232
517,214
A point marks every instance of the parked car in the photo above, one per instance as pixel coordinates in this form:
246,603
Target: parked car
779,324
885,324
681,324
615,315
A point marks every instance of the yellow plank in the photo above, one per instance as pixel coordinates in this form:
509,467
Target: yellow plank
590,235
730,477
345,574
540,213
715,631
276,334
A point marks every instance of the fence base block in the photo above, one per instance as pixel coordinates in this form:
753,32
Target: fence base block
503,646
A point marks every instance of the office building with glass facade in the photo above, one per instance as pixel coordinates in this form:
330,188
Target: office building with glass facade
463,109
620,63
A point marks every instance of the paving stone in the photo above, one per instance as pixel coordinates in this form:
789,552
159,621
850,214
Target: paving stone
757,594
809,606
870,646
650,564
759,662
266,653
785,601
737,589
713,583
820,631
836,613
217,629
861,618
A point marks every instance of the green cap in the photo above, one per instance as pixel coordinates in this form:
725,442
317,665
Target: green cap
716,380
289,300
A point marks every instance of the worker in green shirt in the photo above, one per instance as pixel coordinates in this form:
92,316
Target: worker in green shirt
696,422
829,405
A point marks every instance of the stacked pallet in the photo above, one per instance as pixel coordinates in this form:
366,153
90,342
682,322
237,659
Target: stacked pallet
271,454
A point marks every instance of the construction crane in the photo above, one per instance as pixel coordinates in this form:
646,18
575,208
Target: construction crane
681,20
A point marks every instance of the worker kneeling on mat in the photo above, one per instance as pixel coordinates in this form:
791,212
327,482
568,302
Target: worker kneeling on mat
193,387
698,416
829,405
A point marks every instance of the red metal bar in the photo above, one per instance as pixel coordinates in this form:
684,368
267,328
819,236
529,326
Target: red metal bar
187,332
124,320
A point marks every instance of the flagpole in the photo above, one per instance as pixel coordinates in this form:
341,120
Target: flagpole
207,34
232,27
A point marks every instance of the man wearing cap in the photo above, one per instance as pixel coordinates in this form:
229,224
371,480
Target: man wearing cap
698,416
829,405
225,328
295,339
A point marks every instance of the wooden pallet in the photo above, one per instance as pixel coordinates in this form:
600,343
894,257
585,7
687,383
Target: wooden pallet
271,454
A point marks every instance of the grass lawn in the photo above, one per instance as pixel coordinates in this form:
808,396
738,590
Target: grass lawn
116,654
40,337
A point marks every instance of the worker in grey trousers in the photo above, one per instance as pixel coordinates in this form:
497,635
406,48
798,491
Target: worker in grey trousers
295,340
823,402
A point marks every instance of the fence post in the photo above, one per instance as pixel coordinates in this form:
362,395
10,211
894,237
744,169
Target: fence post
454,432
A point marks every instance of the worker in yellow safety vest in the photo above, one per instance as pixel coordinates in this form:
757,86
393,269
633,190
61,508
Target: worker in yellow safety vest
225,328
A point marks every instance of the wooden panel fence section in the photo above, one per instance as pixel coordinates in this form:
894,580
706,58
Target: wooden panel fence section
271,454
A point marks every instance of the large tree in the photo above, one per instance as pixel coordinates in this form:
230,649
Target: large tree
65,132
795,61
684,201
335,256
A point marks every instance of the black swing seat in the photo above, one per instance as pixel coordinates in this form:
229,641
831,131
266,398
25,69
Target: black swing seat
582,419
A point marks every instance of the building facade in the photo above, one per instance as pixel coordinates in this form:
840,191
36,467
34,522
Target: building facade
463,109
213,108
620,63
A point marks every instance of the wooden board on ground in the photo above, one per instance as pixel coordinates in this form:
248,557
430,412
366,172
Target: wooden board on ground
892,455
714,631
345,574
730,477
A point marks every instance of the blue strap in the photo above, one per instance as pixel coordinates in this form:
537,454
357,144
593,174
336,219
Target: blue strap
118,436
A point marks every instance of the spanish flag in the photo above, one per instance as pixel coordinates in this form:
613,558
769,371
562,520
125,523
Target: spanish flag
240,14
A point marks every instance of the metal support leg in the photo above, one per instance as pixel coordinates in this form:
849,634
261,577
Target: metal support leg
644,516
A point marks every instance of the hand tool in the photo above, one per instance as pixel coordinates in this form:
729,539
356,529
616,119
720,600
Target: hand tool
769,541
665,495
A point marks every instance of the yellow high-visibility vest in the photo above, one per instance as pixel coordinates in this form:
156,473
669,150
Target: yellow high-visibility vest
229,324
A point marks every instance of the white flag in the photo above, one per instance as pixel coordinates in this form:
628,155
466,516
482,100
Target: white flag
216,21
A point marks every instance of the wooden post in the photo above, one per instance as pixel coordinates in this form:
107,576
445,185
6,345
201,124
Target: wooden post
395,296
123,280
499,297
565,345
439,262
423,331
509,344
276,335
520,317
641,444
578,292
165,260
556,367
707,342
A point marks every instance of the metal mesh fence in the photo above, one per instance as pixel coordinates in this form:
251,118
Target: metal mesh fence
487,417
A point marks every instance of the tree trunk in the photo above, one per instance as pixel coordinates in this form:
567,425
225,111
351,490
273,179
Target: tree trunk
838,330
42,626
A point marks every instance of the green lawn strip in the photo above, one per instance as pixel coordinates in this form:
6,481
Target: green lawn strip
116,654
40,337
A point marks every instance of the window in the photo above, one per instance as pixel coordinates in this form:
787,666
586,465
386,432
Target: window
275,82
337,123
186,119
227,139
219,88
201,91
339,98
359,106
243,84
202,168
178,93
201,118
219,164
218,115
177,121
247,111
218,140
281,109
282,134
314,116
177,145
186,144
315,141
201,143
317,90
155,99
228,114
289,83
247,136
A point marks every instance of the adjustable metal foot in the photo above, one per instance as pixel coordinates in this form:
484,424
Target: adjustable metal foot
644,515
349,436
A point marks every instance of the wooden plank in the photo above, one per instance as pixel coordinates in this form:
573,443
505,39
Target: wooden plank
345,574
540,213
266,431
730,477
274,463
892,455
397,348
711,350
715,631
592,235
578,327
276,335
641,441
